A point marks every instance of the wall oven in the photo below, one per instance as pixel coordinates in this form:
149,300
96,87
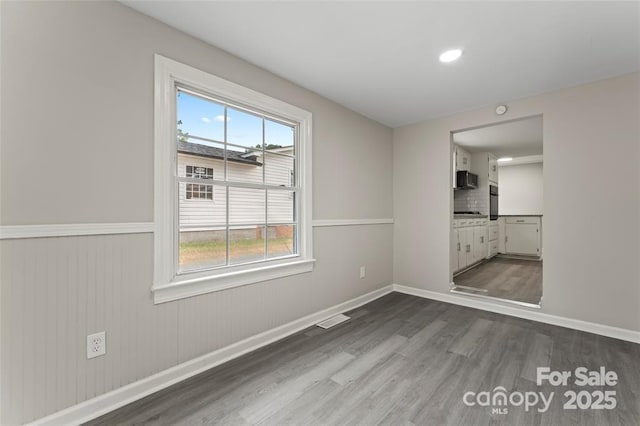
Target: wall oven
493,202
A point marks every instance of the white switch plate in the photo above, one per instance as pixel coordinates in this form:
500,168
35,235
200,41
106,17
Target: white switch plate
362,272
96,344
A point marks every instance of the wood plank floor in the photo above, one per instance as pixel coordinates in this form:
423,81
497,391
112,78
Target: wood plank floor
512,279
399,360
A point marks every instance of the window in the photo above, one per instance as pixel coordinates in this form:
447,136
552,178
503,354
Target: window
196,191
259,227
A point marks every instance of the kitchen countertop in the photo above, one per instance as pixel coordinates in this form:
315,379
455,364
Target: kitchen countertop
469,216
520,215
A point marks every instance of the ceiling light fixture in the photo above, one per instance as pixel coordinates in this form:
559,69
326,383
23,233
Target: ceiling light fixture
505,159
450,55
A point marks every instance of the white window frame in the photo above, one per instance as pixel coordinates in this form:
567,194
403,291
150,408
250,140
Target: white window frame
168,285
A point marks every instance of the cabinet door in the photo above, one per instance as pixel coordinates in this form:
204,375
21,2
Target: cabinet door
455,249
466,161
469,255
493,169
480,243
462,253
522,238
484,243
476,244
463,159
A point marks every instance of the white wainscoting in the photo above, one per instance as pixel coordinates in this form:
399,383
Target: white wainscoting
9,232
110,401
351,222
57,290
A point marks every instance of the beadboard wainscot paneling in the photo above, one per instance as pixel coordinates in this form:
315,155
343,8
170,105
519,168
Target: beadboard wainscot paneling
57,290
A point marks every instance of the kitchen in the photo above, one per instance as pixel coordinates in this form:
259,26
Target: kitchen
496,226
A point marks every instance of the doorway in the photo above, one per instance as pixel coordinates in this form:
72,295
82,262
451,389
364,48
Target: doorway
496,222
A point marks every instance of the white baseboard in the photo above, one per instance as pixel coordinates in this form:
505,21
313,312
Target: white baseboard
117,398
521,312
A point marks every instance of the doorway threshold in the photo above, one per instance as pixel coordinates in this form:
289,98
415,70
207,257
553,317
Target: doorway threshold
474,292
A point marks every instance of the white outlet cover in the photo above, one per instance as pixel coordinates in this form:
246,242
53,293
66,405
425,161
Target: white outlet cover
362,272
96,344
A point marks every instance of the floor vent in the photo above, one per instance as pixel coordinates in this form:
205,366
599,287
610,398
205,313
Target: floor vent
335,320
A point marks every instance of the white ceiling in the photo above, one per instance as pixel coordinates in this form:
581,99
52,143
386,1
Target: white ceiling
513,139
381,58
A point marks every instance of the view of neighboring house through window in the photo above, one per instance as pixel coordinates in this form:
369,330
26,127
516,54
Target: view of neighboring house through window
253,154
196,191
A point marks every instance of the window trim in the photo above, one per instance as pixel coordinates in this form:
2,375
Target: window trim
167,284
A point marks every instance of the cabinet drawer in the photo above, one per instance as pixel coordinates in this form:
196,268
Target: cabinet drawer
522,219
493,248
493,233
459,223
484,221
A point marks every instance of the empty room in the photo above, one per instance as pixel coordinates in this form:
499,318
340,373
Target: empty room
319,213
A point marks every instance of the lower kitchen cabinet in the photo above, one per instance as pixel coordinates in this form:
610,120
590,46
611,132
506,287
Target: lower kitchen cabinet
522,235
493,239
480,243
470,242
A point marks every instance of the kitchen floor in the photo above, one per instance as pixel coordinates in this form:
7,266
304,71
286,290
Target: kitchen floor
512,279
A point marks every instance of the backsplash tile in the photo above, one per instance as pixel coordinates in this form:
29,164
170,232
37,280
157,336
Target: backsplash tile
471,200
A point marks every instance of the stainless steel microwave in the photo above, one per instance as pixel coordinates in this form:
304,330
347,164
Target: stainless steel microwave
466,180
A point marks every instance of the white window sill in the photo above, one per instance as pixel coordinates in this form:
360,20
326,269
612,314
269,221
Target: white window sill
182,288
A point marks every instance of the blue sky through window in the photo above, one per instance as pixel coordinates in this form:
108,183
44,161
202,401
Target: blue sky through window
205,118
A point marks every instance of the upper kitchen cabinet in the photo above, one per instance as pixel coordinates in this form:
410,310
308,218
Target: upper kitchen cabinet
463,159
493,169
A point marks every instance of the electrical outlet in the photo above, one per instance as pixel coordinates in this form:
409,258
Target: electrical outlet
96,344
362,272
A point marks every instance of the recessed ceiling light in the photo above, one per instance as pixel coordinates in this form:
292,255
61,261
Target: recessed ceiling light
505,159
450,55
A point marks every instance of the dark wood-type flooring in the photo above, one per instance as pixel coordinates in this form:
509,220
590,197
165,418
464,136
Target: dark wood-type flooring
400,360
512,279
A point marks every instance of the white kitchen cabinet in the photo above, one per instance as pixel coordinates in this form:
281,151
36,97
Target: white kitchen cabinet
493,169
466,243
493,248
463,159
480,243
522,235
493,240
469,242
493,232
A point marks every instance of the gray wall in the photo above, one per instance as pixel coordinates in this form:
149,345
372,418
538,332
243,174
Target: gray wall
591,199
77,147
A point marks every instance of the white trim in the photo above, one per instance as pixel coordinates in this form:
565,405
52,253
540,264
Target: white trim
530,314
169,73
8,232
208,284
350,222
117,398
